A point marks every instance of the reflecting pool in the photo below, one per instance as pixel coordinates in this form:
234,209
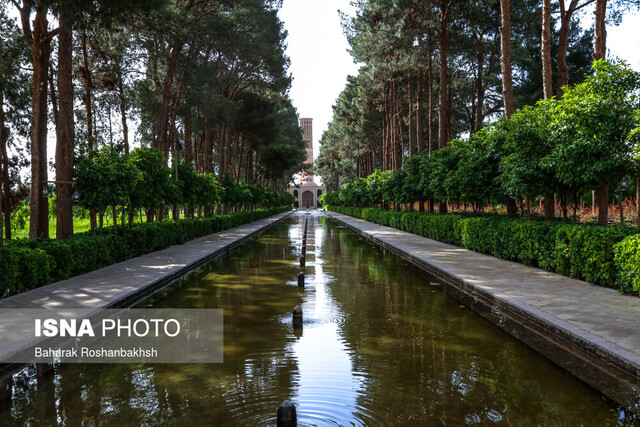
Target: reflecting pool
381,344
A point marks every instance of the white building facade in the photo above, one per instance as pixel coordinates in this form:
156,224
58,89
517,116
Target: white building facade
308,192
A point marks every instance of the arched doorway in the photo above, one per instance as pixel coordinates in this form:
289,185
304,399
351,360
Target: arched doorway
307,199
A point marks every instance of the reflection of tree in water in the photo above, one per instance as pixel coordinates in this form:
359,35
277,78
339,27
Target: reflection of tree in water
426,360
256,376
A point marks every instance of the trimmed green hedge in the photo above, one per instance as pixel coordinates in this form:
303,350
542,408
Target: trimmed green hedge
27,264
607,256
627,261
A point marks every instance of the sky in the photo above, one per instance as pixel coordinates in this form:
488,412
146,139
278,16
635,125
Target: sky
320,62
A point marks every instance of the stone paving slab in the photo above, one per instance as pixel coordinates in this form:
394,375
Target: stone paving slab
121,284
598,320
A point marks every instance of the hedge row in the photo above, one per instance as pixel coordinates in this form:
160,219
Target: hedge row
607,256
27,264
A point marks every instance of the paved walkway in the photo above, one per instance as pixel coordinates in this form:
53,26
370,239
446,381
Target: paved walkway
593,323
122,284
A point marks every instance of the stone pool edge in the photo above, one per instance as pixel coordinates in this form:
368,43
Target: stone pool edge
590,358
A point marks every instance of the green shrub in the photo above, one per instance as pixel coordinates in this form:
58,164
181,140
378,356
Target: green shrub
627,263
9,270
34,269
607,256
61,258
587,252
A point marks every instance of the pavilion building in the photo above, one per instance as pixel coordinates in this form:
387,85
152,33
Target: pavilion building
308,192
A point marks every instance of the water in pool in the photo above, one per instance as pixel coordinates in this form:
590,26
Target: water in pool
381,344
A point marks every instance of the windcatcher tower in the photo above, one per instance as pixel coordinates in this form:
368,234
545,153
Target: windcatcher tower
307,135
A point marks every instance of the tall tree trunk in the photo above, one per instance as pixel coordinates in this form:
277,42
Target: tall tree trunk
507,81
599,52
88,83
431,134
479,112
397,152
411,101
167,89
444,127
39,217
123,112
547,81
174,114
175,152
188,146
227,148
444,131
4,178
547,87
512,208
603,205
198,142
390,132
54,98
600,31
549,207
65,131
420,114
110,124
4,135
385,134
247,168
505,58
241,147
207,166
563,44
188,151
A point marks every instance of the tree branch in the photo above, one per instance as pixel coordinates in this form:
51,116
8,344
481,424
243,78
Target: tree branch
51,34
584,4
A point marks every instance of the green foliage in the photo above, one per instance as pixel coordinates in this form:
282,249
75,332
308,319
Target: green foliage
23,268
627,262
525,144
607,256
587,252
331,199
278,159
588,138
353,131
27,264
142,180
154,183
108,178
591,125
287,199
527,59
236,194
